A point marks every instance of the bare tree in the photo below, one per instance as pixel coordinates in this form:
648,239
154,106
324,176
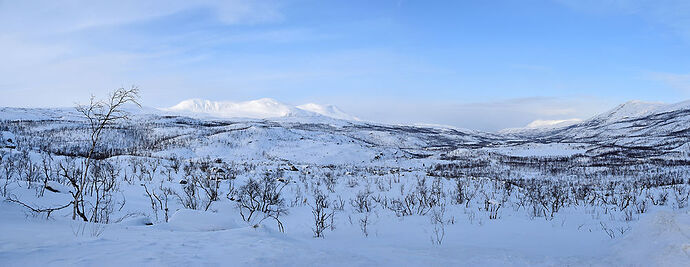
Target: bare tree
364,224
99,114
37,210
9,169
47,173
439,222
323,217
159,200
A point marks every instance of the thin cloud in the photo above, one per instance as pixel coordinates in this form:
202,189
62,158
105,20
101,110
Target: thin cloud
677,81
59,46
672,14
488,116
52,17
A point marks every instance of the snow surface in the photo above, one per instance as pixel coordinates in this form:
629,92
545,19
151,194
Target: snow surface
200,238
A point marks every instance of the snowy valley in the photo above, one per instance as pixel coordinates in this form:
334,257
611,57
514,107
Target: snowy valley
261,183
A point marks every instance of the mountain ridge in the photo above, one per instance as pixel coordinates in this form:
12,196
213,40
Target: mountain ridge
263,108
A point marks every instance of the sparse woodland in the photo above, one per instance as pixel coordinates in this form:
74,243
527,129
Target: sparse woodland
105,166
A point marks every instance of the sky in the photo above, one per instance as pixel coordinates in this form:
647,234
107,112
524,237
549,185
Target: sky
483,65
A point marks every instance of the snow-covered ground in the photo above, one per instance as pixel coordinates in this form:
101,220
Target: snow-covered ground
398,195
208,238
221,238
542,150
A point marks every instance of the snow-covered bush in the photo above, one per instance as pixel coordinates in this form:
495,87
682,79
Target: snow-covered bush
262,197
322,212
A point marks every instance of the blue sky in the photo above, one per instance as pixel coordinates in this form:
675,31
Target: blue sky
475,64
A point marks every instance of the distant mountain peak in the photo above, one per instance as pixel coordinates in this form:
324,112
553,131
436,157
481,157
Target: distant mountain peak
634,109
256,109
328,111
542,125
538,124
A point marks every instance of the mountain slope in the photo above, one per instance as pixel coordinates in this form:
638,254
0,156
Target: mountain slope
632,130
630,109
626,130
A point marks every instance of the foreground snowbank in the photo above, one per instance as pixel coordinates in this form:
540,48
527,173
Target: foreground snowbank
195,238
659,240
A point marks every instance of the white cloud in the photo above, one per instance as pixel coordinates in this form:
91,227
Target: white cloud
48,48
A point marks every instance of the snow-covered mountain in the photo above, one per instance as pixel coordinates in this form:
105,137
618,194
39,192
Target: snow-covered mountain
256,109
631,130
328,111
541,125
628,128
630,109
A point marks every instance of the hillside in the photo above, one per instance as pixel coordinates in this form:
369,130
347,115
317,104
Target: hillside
174,187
